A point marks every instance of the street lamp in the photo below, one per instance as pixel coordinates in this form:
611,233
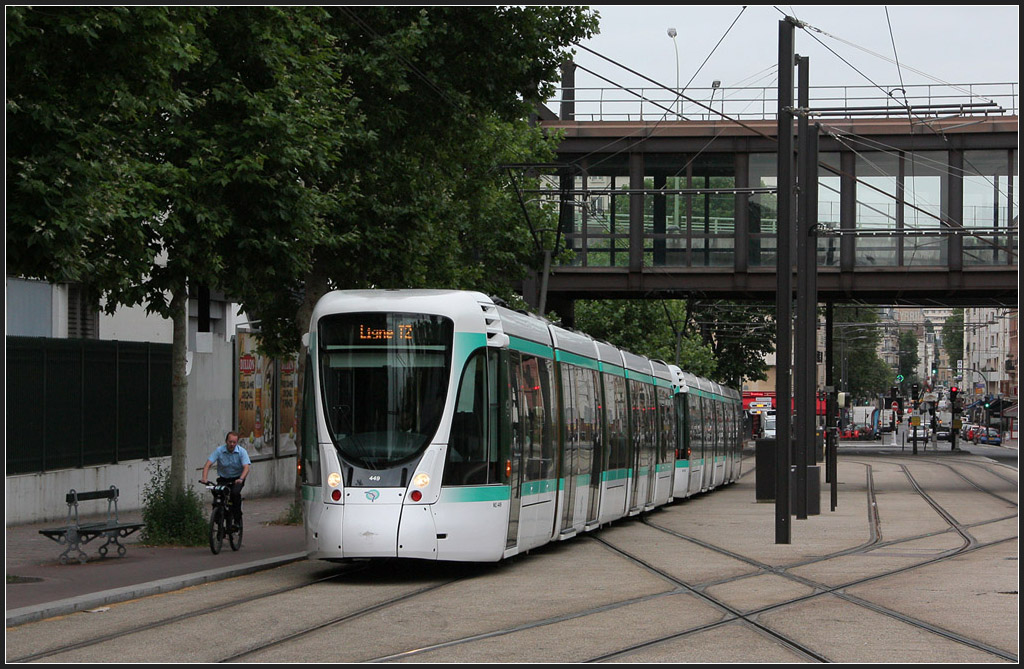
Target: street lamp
672,33
714,87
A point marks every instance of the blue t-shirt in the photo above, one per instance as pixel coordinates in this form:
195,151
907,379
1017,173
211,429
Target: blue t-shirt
230,464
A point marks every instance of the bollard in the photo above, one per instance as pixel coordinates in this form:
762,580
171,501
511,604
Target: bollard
765,470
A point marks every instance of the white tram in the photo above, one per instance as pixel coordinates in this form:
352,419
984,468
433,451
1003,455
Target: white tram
438,425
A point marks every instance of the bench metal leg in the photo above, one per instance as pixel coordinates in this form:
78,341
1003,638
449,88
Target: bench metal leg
112,537
74,542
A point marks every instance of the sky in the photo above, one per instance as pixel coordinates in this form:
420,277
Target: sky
953,44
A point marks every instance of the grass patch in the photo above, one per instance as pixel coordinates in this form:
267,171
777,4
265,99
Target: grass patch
291,516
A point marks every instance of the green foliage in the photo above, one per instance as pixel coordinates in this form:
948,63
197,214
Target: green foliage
291,516
857,367
274,153
443,94
172,516
738,335
953,336
909,359
643,327
724,341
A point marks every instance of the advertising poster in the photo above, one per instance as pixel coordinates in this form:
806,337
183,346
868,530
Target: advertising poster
288,416
255,397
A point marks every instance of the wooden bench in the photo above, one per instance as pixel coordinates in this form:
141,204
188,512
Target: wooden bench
75,533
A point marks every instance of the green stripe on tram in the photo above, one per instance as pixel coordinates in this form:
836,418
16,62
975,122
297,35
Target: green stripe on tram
615,370
614,475
531,347
488,493
574,359
538,487
639,376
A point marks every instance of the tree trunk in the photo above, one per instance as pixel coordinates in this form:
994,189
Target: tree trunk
179,389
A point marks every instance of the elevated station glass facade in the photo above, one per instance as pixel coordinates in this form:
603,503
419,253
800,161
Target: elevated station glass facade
903,208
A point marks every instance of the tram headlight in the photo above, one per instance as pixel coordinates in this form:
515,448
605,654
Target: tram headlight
333,479
421,480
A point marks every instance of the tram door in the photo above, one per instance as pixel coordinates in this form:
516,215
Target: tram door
514,458
589,392
570,445
709,443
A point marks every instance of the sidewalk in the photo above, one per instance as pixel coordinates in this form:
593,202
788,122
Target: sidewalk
38,586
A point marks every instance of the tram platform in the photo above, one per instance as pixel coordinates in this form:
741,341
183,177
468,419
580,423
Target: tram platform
39,587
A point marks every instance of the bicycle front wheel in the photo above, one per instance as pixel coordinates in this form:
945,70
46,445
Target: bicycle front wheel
216,529
235,537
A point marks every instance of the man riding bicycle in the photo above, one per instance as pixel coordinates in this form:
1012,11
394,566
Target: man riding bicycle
232,467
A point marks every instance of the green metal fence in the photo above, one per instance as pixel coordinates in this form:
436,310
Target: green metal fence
81,402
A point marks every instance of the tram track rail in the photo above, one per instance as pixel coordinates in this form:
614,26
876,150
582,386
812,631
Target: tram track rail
969,544
730,614
338,620
197,613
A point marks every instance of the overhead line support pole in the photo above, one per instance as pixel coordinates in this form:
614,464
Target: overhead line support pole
784,292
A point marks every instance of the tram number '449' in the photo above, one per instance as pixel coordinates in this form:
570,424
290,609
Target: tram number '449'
374,478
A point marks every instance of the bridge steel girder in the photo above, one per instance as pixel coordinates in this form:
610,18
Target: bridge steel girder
981,286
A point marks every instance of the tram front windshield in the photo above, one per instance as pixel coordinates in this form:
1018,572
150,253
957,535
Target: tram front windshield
384,378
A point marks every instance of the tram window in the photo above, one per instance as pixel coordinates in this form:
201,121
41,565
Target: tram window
383,381
518,414
587,420
616,417
469,461
536,410
667,442
682,436
696,419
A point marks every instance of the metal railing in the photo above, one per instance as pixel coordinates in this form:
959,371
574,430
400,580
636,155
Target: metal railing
928,101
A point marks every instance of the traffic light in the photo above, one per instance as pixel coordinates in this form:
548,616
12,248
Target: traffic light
952,394
914,388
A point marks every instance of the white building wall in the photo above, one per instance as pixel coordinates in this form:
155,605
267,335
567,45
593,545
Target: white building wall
211,397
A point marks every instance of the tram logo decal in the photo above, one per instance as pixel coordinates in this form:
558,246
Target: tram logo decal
372,495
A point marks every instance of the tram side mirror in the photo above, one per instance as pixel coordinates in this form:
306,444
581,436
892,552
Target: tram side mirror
305,340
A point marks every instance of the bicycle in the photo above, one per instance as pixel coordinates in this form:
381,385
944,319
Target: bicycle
222,521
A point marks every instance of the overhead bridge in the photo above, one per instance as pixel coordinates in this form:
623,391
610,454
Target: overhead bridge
912,209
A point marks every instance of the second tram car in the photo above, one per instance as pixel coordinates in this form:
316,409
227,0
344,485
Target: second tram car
439,425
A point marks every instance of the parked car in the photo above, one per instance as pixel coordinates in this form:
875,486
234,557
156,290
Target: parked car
990,436
944,433
856,432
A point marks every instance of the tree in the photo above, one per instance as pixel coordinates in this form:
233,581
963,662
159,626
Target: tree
738,335
271,152
154,149
858,367
645,327
953,336
909,359
427,203
724,341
